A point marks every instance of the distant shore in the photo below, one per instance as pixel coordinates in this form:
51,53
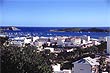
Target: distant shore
9,28
80,30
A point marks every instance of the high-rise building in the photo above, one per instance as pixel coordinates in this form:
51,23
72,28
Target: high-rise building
108,45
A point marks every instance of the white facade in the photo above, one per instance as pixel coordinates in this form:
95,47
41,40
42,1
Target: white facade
37,43
49,48
66,71
84,41
1,35
102,38
76,41
56,67
85,37
27,40
95,42
69,50
35,38
18,41
81,68
60,40
108,45
85,65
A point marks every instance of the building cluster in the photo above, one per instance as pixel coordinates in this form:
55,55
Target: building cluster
85,65
61,41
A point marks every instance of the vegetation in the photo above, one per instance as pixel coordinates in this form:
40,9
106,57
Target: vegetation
102,47
3,40
67,58
24,60
76,29
79,53
28,60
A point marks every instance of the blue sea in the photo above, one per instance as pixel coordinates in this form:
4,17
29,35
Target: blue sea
45,31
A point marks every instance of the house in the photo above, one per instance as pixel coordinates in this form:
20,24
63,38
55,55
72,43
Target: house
76,41
20,41
49,48
17,41
85,65
27,40
69,50
60,41
85,37
56,69
102,39
35,38
38,43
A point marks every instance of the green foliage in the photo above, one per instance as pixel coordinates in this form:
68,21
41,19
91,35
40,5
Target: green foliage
3,40
102,47
24,60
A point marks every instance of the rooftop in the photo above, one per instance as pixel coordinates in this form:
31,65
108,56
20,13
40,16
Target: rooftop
87,60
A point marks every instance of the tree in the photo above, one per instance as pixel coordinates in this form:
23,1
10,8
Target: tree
23,60
102,47
3,40
93,50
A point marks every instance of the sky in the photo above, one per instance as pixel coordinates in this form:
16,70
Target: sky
55,13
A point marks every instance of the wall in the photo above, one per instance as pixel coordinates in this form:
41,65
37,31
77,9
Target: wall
81,68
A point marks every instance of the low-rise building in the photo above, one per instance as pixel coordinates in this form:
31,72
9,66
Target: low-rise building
76,41
56,67
85,65
85,37
102,39
17,41
49,48
20,41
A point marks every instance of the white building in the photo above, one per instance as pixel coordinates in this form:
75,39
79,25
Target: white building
2,35
83,41
76,41
85,65
69,50
56,68
20,41
43,39
85,37
35,38
60,40
28,40
95,42
17,41
38,44
108,45
49,48
102,39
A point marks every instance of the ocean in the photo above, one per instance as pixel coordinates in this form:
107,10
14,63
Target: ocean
45,31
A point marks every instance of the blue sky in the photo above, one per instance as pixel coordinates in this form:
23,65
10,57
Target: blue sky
55,13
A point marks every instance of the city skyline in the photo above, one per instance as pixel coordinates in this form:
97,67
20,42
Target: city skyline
55,13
